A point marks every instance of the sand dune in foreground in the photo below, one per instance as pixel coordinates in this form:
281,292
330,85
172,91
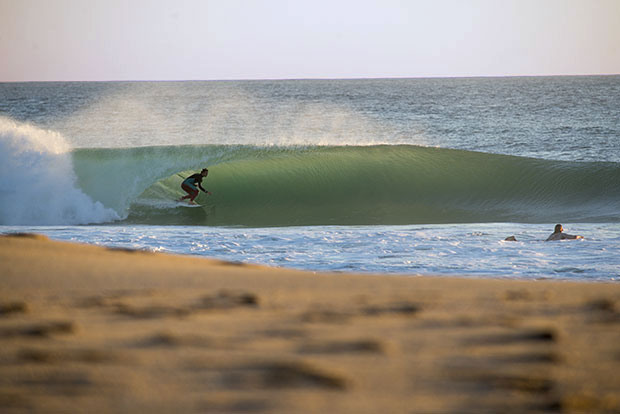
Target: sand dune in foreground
86,329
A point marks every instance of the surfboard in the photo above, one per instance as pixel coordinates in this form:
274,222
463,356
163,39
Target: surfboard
182,204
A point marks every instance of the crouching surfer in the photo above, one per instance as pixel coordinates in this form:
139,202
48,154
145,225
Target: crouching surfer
189,185
559,235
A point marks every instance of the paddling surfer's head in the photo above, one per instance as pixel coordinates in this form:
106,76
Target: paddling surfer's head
558,228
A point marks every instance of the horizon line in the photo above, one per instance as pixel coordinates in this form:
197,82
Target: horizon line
318,78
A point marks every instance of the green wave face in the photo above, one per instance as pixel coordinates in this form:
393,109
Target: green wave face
277,186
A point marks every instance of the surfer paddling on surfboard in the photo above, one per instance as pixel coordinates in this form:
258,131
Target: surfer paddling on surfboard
189,185
558,235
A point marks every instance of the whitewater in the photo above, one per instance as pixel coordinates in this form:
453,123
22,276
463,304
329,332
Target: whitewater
407,176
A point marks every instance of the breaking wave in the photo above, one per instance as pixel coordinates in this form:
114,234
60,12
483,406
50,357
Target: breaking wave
43,181
37,182
347,185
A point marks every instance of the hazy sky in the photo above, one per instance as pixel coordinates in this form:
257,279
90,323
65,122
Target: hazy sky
254,39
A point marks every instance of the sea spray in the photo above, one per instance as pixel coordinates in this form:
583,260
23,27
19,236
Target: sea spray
223,114
37,181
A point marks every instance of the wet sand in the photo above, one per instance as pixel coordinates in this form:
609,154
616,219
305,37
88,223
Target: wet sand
87,329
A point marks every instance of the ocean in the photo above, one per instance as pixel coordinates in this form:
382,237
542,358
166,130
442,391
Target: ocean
394,176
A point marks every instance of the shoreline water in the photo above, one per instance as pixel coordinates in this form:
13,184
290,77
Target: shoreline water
464,250
93,329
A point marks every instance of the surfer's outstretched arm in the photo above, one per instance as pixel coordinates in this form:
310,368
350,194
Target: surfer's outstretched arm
205,191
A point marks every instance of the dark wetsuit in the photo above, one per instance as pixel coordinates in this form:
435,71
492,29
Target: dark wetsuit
189,186
193,180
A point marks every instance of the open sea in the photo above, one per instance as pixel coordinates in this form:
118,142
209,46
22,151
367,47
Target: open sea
396,176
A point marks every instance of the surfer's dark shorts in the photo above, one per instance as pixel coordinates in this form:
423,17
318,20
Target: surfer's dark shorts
188,185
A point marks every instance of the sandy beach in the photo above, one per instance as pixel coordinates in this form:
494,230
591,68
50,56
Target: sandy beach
87,329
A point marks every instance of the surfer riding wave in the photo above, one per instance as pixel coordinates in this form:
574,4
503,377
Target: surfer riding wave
189,185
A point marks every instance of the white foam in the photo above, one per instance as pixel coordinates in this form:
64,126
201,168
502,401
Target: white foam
37,183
